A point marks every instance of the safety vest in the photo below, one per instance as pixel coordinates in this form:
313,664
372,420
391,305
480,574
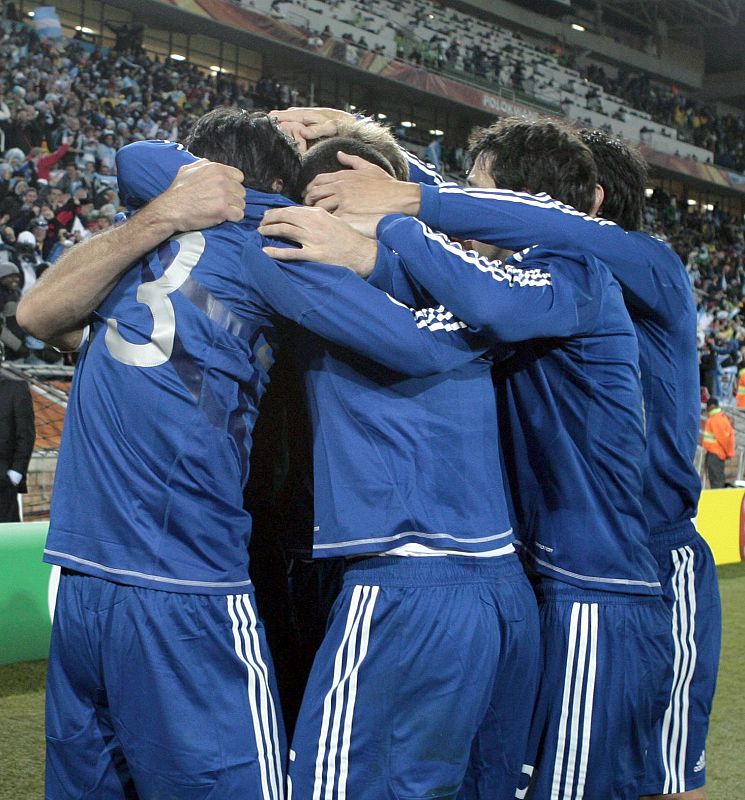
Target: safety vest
719,435
741,390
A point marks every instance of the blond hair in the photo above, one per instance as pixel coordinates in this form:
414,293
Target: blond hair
378,137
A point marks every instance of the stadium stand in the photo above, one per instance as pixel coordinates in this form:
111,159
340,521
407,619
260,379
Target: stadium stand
66,108
443,39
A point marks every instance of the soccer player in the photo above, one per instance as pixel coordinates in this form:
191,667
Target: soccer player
658,297
657,294
408,469
572,426
160,683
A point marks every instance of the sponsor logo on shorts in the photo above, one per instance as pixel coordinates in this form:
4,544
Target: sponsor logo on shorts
701,763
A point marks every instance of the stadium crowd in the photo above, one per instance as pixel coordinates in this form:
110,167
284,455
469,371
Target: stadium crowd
66,109
68,112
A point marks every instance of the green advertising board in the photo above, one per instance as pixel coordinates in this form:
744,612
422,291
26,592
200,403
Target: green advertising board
27,592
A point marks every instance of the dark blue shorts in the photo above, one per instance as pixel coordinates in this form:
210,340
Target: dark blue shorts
676,760
422,656
606,659
159,695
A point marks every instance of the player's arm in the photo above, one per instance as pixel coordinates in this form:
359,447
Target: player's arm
57,308
505,301
339,306
146,169
515,220
328,239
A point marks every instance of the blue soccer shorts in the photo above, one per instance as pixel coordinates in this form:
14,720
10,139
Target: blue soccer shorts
421,655
676,760
161,695
606,659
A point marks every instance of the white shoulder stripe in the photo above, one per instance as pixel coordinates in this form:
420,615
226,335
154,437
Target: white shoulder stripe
498,270
428,169
537,201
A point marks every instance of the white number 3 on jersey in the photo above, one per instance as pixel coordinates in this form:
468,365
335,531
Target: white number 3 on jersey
154,295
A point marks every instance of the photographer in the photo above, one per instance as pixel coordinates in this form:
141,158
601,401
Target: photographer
28,258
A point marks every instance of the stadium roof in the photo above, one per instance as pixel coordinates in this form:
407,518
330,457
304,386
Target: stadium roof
675,13
647,14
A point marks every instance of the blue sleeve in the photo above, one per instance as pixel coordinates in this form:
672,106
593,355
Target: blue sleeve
341,307
536,297
389,277
420,171
147,169
650,274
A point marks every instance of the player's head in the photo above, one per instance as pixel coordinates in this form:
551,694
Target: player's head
322,157
534,156
622,172
253,143
379,138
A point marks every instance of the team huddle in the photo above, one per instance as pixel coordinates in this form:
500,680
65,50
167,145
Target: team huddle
501,385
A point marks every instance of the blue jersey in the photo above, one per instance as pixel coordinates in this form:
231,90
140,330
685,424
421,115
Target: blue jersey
570,399
157,437
401,465
658,296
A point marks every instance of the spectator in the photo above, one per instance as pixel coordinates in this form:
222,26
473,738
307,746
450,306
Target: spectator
710,367
17,435
12,336
28,258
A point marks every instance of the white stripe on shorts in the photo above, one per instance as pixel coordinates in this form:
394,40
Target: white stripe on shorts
260,698
675,720
339,702
572,749
268,710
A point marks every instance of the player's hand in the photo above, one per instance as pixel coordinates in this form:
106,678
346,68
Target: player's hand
320,237
308,124
364,188
366,224
202,194
297,132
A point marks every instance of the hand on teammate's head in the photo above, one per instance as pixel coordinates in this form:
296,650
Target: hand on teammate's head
364,189
298,132
203,194
308,124
320,237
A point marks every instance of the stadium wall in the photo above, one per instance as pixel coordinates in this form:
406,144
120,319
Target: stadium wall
28,586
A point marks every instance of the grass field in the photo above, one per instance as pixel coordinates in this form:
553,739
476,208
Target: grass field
22,712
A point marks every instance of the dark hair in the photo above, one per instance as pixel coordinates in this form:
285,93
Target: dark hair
537,156
253,143
322,157
622,172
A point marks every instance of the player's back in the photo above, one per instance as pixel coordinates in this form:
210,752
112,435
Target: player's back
401,462
571,416
158,430
669,373
658,296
